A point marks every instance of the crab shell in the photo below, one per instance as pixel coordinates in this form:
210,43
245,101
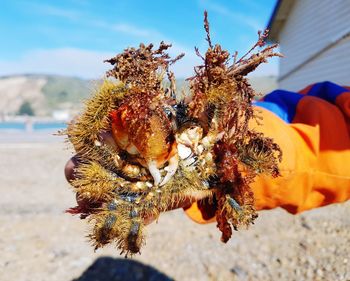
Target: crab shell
147,135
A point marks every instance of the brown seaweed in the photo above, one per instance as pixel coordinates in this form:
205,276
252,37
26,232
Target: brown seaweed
165,149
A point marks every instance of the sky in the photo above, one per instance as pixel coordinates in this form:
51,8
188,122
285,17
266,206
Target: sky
73,37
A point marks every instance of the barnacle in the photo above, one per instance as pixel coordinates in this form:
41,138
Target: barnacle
165,148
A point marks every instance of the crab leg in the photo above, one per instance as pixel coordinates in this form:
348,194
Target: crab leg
171,168
152,167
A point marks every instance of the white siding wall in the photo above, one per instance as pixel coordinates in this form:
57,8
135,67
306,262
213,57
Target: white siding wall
310,26
333,65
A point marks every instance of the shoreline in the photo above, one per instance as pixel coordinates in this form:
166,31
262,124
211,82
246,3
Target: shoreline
42,136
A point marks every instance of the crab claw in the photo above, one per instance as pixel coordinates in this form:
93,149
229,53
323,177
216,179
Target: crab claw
184,151
152,167
171,168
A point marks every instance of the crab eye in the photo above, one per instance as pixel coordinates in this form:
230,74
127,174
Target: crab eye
168,113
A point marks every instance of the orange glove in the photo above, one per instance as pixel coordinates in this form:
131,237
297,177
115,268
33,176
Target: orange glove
315,169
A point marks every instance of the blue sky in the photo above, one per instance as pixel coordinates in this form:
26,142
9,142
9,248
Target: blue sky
73,37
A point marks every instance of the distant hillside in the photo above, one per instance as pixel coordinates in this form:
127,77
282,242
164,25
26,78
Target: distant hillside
261,84
15,90
46,93
60,90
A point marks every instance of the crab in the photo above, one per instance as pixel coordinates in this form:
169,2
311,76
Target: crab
165,148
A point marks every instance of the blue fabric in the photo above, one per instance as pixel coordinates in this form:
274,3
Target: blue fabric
284,103
326,90
279,111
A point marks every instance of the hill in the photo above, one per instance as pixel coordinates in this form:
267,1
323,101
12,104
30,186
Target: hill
44,94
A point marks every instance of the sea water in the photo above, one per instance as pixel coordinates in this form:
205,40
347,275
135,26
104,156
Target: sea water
35,126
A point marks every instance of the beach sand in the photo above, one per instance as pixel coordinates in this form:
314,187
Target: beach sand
38,241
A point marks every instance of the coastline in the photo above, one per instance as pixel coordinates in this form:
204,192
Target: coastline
11,137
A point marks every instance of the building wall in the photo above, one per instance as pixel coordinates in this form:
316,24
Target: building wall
311,26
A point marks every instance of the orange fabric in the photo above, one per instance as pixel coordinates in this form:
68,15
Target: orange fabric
315,169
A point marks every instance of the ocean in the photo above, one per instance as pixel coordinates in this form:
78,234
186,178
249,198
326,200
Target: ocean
35,126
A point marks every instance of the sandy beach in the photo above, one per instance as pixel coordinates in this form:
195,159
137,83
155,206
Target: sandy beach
38,241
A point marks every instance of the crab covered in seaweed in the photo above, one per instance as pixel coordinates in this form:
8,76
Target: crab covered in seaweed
165,148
